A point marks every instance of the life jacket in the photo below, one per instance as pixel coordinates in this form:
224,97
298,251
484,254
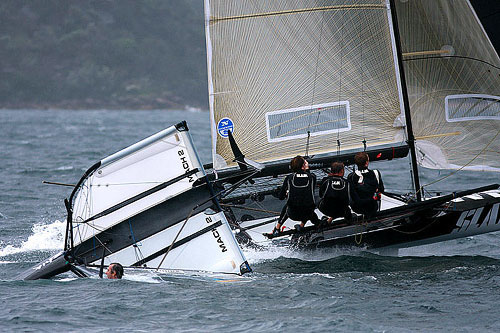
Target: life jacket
335,197
367,184
337,188
301,190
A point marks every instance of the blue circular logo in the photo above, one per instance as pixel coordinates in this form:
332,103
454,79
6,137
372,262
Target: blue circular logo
225,125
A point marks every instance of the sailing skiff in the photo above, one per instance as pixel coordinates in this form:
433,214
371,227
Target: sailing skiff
324,79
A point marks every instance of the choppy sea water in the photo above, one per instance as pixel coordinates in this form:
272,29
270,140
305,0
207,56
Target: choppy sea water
450,286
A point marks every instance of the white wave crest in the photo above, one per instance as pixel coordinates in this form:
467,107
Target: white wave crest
268,253
64,168
44,237
271,252
142,277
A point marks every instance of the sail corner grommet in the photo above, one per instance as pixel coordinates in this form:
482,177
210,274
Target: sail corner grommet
182,126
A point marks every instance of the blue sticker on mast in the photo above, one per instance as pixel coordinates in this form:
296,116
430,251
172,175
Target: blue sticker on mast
225,125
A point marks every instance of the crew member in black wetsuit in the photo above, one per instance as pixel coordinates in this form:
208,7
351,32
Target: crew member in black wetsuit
298,187
365,187
334,194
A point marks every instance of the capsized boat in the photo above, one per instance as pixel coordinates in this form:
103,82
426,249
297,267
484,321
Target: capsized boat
140,207
327,79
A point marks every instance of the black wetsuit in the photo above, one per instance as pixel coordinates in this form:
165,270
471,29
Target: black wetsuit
300,204
334,197
364,187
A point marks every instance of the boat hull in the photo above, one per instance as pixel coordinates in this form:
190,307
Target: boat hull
405,226
57,264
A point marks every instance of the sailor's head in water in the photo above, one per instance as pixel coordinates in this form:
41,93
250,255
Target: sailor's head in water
337,169
299,164
362,160
115,271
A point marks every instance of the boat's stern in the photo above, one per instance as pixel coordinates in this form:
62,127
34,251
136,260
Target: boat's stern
48,268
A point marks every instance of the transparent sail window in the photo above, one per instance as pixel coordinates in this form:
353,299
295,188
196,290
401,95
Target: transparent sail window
317,119
472,107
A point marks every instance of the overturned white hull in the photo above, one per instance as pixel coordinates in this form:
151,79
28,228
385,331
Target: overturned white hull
140,208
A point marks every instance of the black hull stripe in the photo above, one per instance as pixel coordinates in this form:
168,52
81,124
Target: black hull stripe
178,243
420,229
260,224
141,195
145,224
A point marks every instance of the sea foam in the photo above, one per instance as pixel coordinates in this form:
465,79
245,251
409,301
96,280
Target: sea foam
43,237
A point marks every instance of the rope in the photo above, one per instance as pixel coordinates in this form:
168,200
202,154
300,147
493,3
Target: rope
104,246
307,143
425,227
250,208
453,56
317,64
176,236
363,223
229,190
139,256
314,86
463,166
120,184
362,92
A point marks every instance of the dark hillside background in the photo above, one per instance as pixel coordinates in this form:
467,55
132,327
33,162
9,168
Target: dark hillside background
115,54
109,54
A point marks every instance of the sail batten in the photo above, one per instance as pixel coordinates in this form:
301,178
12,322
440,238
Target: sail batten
297,11
453,81
288,77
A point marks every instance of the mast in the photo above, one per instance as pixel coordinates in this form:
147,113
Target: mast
406,103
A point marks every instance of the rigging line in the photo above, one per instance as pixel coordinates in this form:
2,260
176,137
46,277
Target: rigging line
363,224
307,143
250,208
316,72
102,244
423,228
214,19
176,236
241,173
232,188
57,183
139,256
101,231
463,166
362,91
453,56
245,163
340,80
118,184
93,227
87,195
235,186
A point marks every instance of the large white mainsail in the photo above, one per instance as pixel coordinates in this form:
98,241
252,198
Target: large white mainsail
453,80
297,75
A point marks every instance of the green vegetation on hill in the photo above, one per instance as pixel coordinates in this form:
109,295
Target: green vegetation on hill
104,54
138,54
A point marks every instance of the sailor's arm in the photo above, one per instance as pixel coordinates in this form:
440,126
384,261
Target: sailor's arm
381,188
284,189
323,187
